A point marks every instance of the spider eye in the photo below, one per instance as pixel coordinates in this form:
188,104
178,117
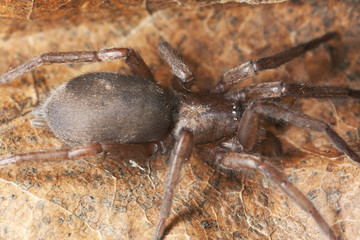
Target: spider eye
238,110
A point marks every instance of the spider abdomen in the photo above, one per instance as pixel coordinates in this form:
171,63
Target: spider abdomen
108,107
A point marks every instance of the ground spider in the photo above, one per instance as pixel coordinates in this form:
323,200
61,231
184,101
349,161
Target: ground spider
98,112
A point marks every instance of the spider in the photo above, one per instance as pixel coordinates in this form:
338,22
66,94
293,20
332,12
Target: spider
100,112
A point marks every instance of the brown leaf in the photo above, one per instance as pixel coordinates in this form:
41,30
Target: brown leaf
111,198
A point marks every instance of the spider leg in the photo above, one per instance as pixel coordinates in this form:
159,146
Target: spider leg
239,161
133,59
182,150
126,150
178,68
282,89
251,68
297,118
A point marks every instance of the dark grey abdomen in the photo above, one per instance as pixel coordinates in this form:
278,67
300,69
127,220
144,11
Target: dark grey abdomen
108,107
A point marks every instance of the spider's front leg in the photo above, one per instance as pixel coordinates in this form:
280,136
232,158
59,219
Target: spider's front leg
241,161
251,68
272,90
299,119
227,156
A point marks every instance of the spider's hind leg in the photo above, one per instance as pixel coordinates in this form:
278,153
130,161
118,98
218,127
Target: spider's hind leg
132,59
126,150
184,77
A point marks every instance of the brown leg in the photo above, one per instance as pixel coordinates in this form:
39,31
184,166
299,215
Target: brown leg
299,119
135,62
239,161
128,150
281,89
182,151
251,68
178,68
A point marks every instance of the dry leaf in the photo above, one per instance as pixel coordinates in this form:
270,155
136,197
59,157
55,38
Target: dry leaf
112,198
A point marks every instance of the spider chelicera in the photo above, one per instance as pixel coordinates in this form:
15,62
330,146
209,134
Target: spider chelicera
98,112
